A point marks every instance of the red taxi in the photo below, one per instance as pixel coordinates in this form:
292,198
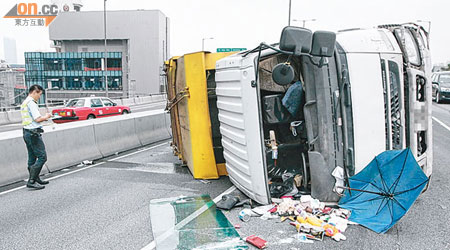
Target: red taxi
88,108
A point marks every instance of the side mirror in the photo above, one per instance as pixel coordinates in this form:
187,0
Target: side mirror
296,39
283,74
323,43
114,104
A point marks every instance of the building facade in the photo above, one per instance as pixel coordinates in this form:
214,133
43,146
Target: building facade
67,75
139,40
12,87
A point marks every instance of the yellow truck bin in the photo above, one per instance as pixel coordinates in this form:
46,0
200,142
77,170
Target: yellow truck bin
193,112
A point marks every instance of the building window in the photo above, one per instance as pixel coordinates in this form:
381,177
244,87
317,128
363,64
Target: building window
93,64
73,83
73,64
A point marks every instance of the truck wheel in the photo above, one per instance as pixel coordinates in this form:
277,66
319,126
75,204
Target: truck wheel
90,117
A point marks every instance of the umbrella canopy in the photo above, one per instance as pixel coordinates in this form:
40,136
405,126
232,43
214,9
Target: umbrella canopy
384,190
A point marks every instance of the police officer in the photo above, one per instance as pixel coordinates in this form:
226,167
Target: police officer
32,135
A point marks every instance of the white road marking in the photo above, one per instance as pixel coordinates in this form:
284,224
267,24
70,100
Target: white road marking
52,178
139,151
186,220
88,167
78,170
441,123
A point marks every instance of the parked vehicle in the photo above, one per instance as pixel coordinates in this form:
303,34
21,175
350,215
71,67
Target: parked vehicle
88,108
441,86
358,94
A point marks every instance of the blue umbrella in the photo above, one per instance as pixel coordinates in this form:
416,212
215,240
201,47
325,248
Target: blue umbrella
382,193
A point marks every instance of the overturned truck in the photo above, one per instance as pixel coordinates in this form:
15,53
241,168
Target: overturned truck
320,106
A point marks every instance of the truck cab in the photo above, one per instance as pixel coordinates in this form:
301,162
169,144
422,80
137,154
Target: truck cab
318,107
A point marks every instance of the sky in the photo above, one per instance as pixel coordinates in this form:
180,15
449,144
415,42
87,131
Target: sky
246,23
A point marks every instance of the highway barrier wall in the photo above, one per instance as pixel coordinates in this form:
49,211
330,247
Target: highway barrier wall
71,143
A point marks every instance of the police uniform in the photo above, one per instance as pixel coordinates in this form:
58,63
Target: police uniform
32,135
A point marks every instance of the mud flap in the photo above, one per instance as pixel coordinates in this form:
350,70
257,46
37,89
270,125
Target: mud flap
322,182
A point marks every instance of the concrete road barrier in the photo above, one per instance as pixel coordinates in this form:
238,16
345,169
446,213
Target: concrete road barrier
152,126
13,157
115,134
71,143
4,118
14,116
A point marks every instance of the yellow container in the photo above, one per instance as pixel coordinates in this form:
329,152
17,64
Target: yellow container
192,104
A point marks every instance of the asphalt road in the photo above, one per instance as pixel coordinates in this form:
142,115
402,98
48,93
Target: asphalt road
103,207
134,109
107,206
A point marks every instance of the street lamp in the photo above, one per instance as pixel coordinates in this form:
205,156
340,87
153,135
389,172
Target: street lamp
304,21
106,58
203,42
429,24
289,20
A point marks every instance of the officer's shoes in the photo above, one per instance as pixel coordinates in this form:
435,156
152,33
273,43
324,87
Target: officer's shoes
38,180
35,185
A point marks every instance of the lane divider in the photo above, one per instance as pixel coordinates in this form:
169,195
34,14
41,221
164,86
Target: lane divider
441,123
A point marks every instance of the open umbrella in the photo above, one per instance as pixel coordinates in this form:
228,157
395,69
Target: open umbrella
384,190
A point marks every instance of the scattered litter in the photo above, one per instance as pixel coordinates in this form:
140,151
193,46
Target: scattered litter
339,237
237,226
244,203
310,217
84,163
298,180
245,215
338,174
205,181
256,241
304,239
263,209
227,202
286,241
268,216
